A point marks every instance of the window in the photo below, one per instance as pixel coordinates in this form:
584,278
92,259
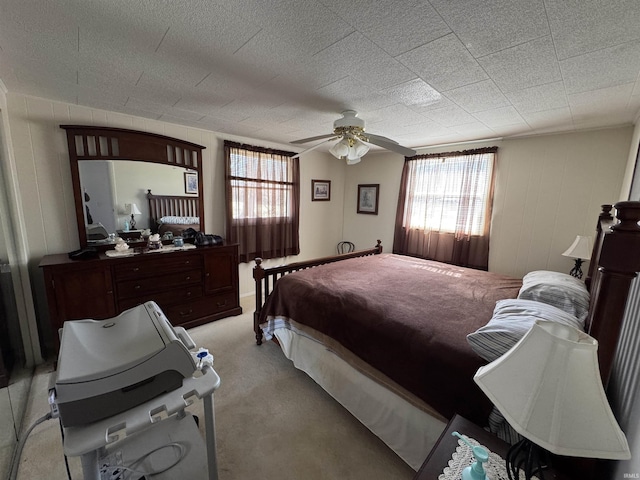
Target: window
263,196
444,209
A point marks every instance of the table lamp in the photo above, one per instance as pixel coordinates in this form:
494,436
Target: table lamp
580,249
133,210
548,387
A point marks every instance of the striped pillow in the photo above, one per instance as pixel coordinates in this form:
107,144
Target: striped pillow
512,319
558,289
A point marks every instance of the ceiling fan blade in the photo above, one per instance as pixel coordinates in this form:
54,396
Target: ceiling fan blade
389,144
315,146
312,139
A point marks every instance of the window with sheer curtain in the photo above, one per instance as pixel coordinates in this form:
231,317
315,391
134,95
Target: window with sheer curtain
263,201
444,207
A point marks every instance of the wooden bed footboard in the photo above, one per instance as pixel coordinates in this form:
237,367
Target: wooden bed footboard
265,278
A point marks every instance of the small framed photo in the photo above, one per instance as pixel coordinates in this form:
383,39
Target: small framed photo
191,182
320,190
368,198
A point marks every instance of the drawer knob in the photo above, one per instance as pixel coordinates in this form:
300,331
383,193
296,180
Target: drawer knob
136,269
184,314
137,287
221,304
188,277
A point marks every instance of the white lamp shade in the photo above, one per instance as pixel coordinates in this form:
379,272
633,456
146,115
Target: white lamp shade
548,388
133,209
580,248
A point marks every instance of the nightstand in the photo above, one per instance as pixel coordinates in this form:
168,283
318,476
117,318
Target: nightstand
440,455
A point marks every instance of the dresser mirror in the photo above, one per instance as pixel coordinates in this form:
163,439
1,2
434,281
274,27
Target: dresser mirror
114,169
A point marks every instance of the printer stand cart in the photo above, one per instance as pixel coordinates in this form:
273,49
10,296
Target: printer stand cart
159,422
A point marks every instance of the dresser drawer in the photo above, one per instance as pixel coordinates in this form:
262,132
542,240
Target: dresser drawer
203,307
164,299
165,262
139,287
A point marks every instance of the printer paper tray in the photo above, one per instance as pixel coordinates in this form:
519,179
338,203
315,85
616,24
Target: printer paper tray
83,439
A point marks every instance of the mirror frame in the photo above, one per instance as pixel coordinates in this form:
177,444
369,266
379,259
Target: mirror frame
108,143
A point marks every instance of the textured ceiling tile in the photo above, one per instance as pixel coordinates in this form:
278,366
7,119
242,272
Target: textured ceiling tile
396,116
414,93
478,96
396,26
541,97
585,26
285,69
549,118
474,130
444,63
605,68
603,99
450,116
499,117
307,24
488,26
526,65
360,58
352,94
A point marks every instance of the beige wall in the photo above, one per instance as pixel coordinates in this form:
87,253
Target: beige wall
548,190
45,195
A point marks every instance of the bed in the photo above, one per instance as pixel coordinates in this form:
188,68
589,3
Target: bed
173,213
332,317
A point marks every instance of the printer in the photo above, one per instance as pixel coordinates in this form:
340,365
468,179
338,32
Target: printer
109,366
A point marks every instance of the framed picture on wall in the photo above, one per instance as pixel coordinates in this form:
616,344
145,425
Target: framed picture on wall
320,190
191,182
368,198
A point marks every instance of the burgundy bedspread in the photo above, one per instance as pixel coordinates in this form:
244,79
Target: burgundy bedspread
404,316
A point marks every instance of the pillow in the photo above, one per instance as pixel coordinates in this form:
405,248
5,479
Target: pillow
180,220
512,319
558,289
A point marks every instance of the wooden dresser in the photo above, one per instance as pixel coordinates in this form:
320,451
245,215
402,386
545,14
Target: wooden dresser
192,286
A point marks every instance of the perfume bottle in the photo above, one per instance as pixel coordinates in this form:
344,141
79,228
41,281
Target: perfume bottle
475,471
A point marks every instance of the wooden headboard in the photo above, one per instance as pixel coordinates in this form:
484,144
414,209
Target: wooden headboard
171,205
615,262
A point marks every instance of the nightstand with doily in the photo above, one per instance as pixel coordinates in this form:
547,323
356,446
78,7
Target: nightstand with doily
449,454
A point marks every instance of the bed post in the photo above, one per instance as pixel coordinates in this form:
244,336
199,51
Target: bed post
258,277
617,253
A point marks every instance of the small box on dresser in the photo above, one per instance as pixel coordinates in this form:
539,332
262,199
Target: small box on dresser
192,287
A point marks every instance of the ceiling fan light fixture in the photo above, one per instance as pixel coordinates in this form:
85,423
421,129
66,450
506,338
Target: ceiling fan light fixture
353,161
340,150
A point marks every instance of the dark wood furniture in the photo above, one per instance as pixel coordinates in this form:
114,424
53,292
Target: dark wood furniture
192,286
89,143
265,279
172,205
440,455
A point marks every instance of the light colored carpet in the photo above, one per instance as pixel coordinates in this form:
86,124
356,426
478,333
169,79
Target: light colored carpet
272,421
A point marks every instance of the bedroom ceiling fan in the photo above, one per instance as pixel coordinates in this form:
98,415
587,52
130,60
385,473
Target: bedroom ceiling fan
353,142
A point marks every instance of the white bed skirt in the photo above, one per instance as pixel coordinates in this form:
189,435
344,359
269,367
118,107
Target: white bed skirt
409,431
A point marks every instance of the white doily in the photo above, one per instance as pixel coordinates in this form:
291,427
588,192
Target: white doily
463,457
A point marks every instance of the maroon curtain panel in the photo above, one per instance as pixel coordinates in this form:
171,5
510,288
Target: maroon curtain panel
444,207
262,201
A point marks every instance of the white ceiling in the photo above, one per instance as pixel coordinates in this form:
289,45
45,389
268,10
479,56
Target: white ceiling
421,72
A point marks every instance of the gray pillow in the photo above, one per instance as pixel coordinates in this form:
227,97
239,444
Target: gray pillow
558,289
511,320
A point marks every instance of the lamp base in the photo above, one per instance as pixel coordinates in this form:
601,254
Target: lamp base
132,226
576,271
528,457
